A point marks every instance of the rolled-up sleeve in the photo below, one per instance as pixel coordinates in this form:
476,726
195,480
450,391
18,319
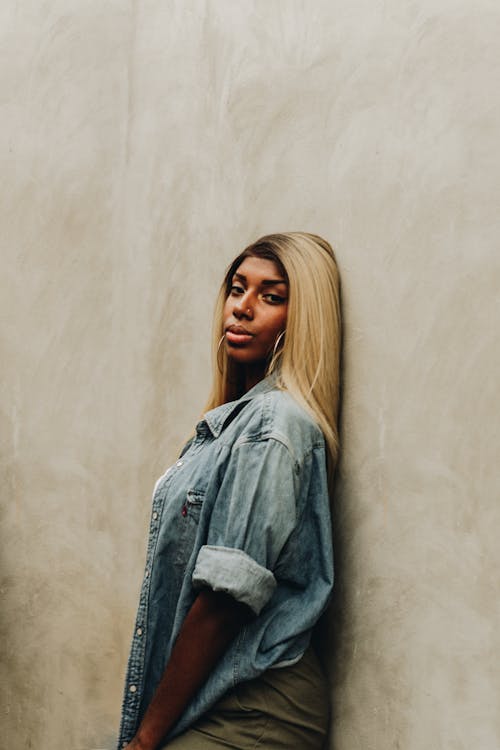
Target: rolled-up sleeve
254,514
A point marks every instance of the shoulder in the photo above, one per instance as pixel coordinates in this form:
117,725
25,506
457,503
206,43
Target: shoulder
273,416
285,420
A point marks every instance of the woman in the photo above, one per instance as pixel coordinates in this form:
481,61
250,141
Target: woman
239,560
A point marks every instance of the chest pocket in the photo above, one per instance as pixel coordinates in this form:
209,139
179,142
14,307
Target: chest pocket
190,516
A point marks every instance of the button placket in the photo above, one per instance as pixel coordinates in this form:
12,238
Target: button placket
139,641
133,687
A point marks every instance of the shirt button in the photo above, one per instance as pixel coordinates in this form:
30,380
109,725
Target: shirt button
139,631
179,463
146,574
133,688
155,516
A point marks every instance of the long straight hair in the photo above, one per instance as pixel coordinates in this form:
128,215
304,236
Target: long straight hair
308,361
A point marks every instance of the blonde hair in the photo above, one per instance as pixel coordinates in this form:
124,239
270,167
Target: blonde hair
308,363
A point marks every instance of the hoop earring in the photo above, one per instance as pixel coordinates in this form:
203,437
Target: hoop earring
218,352
276,353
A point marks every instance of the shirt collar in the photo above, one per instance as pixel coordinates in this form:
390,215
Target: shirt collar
216,418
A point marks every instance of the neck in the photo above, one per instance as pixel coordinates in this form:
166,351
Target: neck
254,374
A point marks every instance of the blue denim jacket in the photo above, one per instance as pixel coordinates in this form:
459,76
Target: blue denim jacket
244,510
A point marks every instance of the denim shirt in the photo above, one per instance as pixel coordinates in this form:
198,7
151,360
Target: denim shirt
244,510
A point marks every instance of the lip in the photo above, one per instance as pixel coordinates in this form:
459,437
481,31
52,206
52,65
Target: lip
236,334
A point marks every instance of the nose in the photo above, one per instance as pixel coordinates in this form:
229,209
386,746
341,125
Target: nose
243,307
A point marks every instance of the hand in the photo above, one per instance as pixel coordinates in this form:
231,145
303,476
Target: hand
136,744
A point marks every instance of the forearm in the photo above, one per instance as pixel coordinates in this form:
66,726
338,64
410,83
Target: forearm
211,624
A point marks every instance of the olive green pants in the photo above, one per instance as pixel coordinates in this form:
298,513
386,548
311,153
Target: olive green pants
283,708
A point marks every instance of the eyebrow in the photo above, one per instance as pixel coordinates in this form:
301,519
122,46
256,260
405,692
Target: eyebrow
265,282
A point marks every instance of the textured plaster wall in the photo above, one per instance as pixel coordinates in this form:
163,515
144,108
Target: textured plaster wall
142,144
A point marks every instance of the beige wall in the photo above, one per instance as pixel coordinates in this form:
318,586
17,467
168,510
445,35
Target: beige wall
142,145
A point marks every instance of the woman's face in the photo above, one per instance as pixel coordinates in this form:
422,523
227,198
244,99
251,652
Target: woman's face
255,312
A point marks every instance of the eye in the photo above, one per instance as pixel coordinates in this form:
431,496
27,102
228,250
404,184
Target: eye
274,299
235,290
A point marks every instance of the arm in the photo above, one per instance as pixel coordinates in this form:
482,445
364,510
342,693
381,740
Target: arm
211,624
